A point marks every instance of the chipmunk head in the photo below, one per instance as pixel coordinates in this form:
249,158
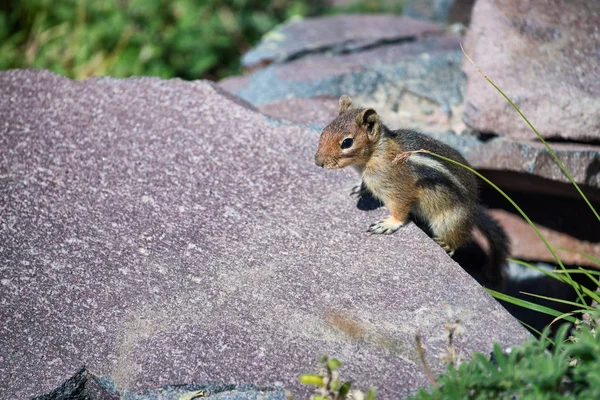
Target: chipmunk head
350,138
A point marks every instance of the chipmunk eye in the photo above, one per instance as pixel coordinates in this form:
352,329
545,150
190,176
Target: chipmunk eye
347,143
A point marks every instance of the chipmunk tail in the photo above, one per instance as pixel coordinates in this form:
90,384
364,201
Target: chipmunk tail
499,245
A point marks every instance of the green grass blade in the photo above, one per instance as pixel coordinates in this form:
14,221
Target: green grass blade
560,164
581,253
589,275
530,327
577,271
565,316
572,303
529,305
592,293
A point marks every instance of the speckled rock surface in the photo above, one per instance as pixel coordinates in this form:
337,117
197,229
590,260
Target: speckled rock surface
163,232
314,112
336,34
84,385
542,54
532,158
428,67
440,11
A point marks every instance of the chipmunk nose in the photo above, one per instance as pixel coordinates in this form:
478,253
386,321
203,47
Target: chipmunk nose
318,161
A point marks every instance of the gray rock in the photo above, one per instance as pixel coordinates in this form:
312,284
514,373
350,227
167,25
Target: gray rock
431,10
314,112
544,55
86,386
429,68
532,158
337,34
163,232
440,11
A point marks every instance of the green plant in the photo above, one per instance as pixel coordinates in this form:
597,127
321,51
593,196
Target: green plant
329,385
189,39
570,370
185,38
563,367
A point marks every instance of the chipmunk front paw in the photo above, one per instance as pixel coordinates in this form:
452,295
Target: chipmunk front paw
386,226
359,190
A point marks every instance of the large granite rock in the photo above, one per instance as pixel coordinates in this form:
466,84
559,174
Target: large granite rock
163,232
526,244
336,34
542,54
440,11
533,160
428,68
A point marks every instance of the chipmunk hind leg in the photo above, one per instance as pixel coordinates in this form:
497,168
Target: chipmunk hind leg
451,230
450,222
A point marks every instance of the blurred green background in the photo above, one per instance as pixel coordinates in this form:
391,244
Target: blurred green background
190,39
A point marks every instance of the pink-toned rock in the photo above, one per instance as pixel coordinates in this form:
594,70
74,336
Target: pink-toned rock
532,158
315,111
234,83
542,54
164,232
341,33
527,245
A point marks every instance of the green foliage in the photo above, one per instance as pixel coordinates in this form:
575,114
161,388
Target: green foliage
566,368
368,6
185,38
189,39
329,385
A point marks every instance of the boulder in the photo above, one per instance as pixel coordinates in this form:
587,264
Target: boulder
440,11
164,232
336,34
429,68
542,54
526,244
531,162
314,112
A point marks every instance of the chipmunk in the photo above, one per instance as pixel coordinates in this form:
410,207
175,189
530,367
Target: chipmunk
410,183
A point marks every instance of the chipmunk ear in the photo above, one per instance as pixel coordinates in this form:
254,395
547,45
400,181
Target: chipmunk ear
345,103
368,120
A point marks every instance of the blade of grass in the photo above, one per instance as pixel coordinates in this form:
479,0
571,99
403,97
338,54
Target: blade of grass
593,294
581,253
539,296
589,275
560,164
577,271
564,316
527,304
530,327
